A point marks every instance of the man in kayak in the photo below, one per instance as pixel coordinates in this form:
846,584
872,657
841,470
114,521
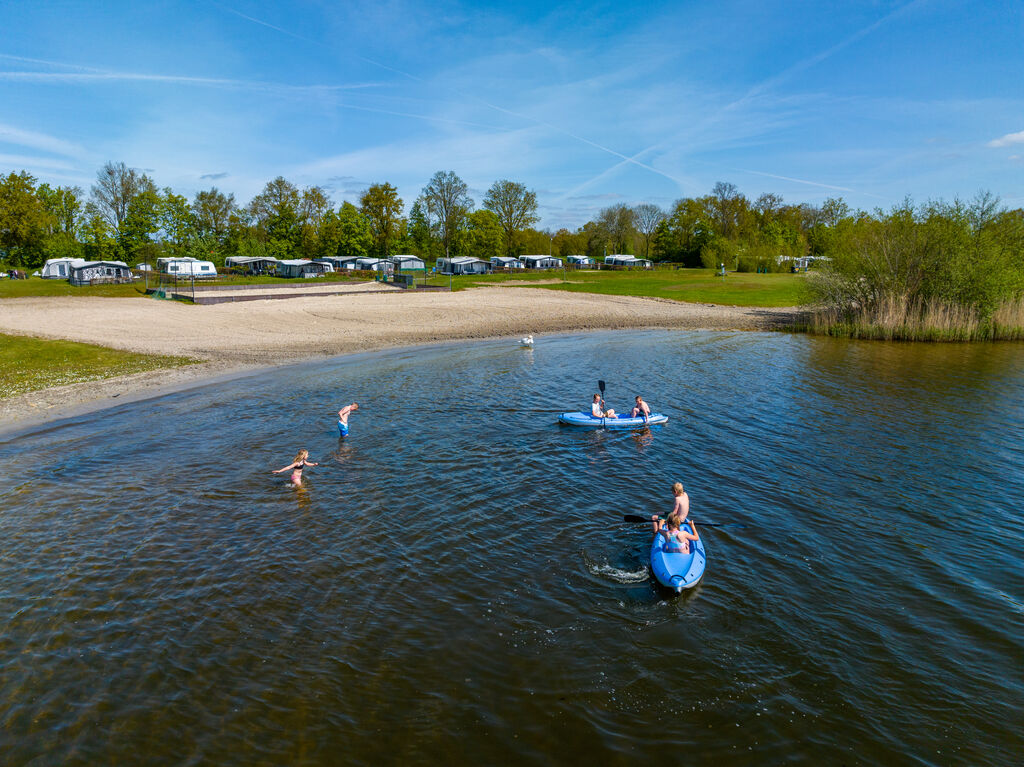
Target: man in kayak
343,417
597,409
640,409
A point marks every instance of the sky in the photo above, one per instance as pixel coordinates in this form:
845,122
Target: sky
588,104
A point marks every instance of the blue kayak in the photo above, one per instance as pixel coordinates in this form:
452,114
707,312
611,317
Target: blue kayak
622,422
678,571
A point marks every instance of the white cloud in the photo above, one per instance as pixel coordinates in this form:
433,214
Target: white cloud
42,142
1008,140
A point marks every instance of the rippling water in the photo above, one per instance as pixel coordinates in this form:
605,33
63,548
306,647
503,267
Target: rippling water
455,580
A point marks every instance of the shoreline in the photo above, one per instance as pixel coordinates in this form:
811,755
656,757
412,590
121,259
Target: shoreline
233,340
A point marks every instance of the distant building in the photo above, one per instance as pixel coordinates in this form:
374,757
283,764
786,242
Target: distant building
93,272
632,262
462,265
541,262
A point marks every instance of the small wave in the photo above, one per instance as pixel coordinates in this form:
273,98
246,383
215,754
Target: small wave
616,574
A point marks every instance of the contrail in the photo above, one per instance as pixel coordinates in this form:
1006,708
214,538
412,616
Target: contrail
102,76
527,118
760,88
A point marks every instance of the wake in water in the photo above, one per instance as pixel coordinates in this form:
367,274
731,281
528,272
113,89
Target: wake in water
605,570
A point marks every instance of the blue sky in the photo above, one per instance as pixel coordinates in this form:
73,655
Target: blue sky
588,104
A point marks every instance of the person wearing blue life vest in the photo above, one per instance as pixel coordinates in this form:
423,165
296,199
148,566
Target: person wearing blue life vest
343,415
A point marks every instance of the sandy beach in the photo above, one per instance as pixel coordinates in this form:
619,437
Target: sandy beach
236,338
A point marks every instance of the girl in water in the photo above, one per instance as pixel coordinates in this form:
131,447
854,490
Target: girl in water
296,467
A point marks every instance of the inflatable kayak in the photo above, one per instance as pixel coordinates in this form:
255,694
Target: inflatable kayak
677,571
622,422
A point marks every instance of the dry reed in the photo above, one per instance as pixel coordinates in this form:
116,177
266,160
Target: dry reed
895,318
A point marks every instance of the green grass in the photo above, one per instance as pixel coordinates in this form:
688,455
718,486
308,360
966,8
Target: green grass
690,285
28,364
36,286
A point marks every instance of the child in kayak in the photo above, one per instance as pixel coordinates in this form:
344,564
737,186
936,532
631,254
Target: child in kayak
343,417
677,540
597,409
640,409
296,466
682,502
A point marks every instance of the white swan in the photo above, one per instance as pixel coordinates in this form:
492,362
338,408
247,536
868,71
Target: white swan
526,340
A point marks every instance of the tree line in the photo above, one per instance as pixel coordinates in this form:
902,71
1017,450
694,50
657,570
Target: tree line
965,253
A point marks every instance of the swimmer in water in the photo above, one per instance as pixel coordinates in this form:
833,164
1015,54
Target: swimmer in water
296,466
343,417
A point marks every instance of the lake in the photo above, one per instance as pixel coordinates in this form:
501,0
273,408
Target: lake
455,580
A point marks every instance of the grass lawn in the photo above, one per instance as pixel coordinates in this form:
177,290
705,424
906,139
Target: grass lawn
28,364
693,285
36,286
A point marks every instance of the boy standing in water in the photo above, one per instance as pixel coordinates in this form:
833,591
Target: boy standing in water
343,417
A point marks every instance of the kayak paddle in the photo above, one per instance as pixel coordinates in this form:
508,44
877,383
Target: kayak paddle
636,518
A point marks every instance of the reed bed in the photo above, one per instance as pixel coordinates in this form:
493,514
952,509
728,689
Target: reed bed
898,319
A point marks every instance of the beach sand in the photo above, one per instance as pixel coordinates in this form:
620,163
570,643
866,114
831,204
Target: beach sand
235,338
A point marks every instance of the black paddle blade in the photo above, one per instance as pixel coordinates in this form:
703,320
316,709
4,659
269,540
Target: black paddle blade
600,385
636,518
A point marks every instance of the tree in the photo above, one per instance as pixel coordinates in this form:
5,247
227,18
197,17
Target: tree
617,223
24,220
515,206
382,207
421,230
276,214
567,243
99,241
177,222
345,233
446,198
313,208
64,204
728,208
211,212
116,186
484,237
647,217
142,220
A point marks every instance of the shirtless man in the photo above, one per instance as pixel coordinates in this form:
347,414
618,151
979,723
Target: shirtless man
343,417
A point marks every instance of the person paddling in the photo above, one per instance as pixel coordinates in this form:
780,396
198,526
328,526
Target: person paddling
597,409
296,466
677,540
343,417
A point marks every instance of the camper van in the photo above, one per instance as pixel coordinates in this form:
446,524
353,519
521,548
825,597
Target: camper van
188,267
